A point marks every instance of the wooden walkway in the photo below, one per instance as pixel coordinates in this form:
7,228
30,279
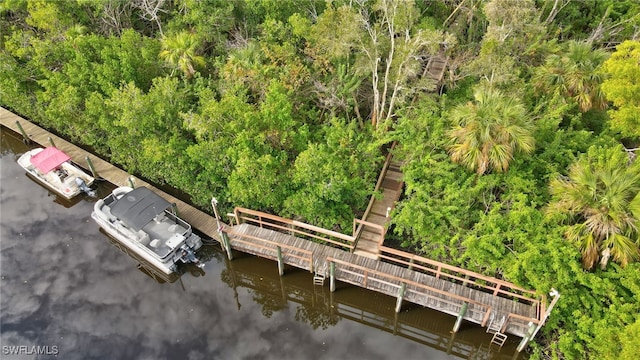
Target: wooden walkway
390,184
198,219
435,68
370,238
473,297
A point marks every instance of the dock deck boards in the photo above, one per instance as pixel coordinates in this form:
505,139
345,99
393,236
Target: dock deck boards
364,272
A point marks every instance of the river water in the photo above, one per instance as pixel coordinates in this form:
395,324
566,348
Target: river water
68,292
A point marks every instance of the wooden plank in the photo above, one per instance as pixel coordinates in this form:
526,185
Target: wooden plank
395,176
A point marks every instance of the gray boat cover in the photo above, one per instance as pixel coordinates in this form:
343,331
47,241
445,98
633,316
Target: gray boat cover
138,207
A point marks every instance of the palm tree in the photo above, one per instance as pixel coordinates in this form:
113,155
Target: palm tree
573,75
488,132
180,51
601,197
244,66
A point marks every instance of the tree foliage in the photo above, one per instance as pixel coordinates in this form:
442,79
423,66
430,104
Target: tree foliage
181,51
284,106
601,198
574,75
489,132
622,87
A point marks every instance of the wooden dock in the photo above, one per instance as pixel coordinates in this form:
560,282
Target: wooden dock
200,220
492,303
435,68
370,234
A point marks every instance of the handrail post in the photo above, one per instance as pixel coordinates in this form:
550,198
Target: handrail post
486,317
236,212
497,289
356,235
354,228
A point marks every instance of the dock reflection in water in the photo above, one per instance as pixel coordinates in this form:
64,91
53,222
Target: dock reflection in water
64,284
322,309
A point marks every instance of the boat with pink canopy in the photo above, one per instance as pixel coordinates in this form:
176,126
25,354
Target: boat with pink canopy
53,168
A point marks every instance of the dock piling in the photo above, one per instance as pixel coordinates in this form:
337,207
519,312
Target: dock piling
332,276
280,262
174,207
51,141
227,244
527,337
463,310
25,137
93,170
131,183
400,297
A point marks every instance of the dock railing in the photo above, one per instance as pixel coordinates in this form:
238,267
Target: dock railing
369,278
383,173
295,228
460,276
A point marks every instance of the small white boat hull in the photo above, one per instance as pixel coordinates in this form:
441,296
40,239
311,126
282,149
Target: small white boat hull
168,267
163,242
62,181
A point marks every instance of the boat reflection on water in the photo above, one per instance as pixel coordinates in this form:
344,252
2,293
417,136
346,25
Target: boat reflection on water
321,309
102,189
206,253
58,199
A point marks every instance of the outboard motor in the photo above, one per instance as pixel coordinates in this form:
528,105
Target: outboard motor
189,256
83,186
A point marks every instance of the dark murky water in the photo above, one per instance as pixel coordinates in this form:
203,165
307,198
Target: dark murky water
67,290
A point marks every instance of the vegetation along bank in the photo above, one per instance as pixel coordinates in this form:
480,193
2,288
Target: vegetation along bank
520,164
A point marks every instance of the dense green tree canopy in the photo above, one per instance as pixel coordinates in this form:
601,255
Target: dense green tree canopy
601,198
623,88
285,106
488,132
